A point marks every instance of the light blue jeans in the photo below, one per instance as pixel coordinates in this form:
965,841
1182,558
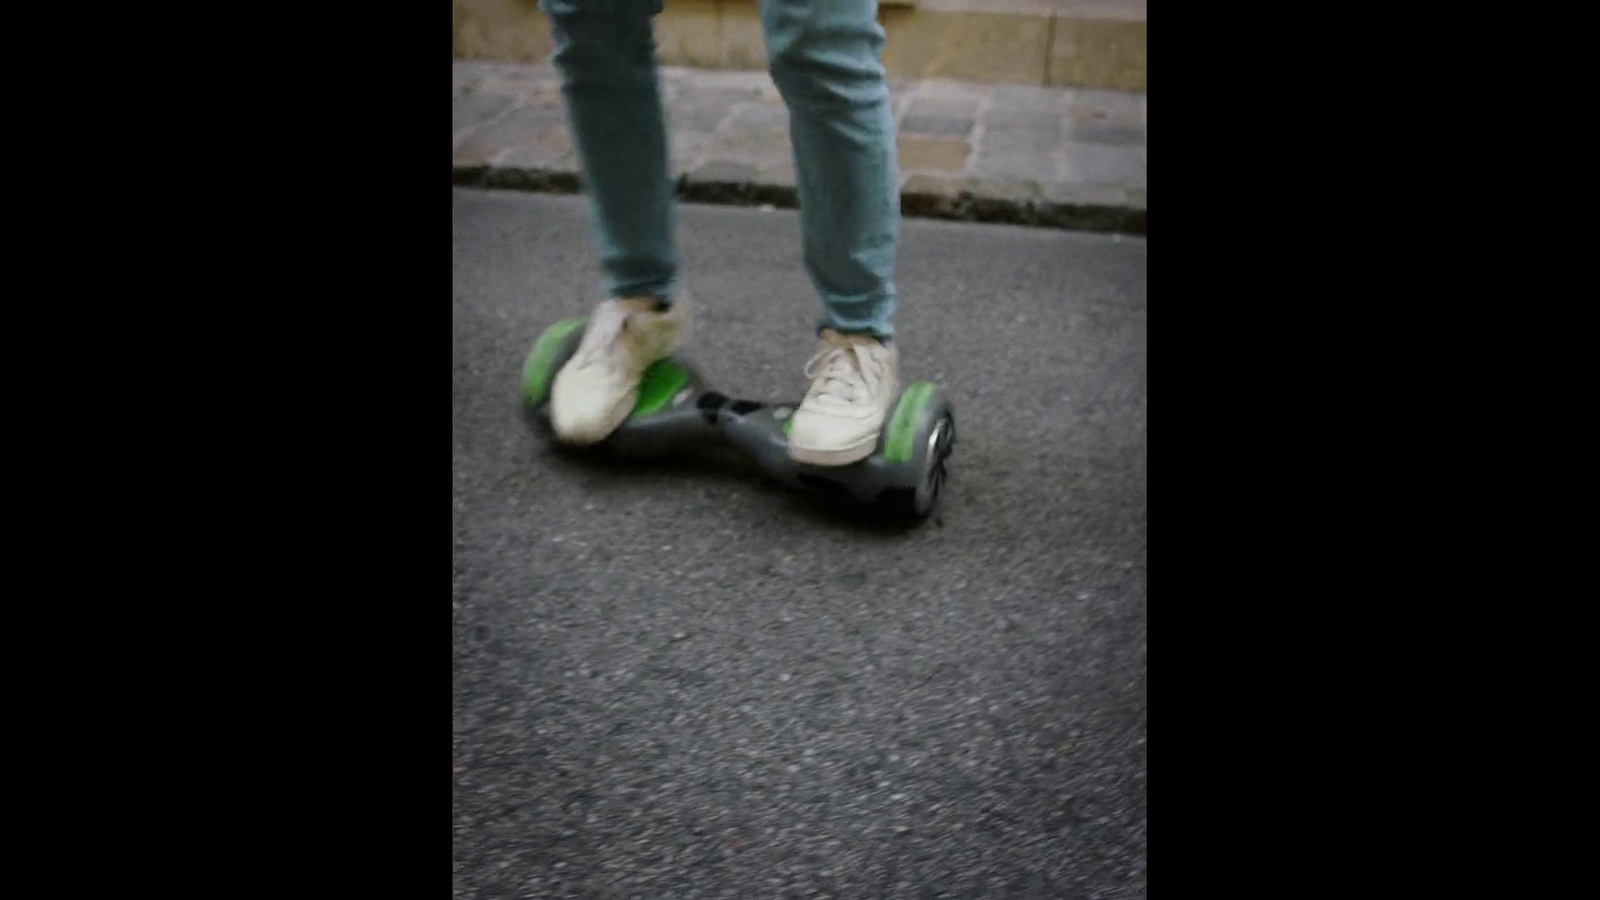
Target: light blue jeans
826,61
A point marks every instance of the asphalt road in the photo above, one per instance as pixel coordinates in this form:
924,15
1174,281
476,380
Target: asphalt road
678,681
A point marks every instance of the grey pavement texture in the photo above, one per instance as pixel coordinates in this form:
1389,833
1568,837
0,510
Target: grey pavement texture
673,680
1059,157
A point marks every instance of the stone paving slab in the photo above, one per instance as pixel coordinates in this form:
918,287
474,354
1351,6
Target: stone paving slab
1056,157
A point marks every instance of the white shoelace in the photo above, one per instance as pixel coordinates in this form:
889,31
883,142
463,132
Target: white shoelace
604,331
843,379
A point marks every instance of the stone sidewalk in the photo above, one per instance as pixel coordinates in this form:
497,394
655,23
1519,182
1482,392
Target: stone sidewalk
1054,157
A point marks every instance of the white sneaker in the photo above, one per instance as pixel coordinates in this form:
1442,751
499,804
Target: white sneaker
598,387
854,378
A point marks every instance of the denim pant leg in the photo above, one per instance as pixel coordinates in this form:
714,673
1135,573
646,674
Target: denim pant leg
605,51
826,60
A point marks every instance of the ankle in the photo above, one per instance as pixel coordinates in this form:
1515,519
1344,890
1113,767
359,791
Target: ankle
647,304
855,336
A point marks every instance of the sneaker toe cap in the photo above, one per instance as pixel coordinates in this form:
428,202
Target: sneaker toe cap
584,413
825,431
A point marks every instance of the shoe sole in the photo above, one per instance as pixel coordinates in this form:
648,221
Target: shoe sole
854,453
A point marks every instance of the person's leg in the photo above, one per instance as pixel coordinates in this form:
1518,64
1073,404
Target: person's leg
826,60
605,51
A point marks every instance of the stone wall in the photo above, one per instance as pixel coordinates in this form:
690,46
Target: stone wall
1057,43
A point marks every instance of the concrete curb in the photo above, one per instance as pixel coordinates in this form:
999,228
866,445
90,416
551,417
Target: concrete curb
961,206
